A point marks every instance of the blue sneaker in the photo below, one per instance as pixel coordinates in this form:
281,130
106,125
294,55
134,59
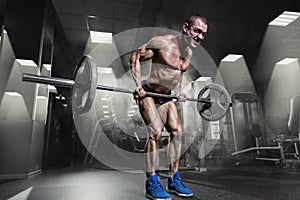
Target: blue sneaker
154,190
176,186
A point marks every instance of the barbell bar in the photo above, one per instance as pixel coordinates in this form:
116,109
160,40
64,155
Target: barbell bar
85,84
62,82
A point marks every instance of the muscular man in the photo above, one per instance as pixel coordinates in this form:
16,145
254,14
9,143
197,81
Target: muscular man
170,56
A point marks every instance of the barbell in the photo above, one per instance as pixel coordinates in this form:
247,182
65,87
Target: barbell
212,101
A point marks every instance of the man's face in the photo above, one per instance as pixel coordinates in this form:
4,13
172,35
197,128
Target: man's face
196,33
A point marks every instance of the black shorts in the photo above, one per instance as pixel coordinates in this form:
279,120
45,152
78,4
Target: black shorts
158,100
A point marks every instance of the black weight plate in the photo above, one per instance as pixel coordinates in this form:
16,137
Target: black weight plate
84,90
219,102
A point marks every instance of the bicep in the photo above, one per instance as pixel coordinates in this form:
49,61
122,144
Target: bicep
146,54
142,54
148,50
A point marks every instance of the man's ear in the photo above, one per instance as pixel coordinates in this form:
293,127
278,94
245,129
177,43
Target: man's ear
185,27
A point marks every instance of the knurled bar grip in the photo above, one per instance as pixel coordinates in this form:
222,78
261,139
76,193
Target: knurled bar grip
116,89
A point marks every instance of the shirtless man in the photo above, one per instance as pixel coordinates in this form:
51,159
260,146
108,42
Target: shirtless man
170,56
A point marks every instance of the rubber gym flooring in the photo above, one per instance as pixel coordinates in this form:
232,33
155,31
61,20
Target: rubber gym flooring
249,182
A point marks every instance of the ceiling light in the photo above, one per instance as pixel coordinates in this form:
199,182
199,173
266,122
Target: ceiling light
205,79
52,88
26,62
285,18
47,67
92,16
231,58
101,37
286,61
104,70
13,94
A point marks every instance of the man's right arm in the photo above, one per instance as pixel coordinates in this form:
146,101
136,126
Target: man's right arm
142,54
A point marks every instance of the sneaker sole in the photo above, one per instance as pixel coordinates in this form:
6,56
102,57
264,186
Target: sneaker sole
179,194
151,197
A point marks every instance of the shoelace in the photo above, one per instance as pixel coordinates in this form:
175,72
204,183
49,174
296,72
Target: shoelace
157,187
179,183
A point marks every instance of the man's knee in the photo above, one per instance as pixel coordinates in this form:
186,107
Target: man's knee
155,137
155,131
176,133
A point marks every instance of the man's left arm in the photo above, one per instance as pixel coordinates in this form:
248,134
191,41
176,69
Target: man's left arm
186,59
185,63
181,96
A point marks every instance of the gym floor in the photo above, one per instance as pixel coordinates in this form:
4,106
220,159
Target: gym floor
249,182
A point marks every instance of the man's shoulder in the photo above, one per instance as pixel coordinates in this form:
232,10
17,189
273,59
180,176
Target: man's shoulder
161,41
167,37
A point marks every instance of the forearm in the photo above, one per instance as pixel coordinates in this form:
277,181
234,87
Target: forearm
186,60
182,97
141,55
177,89
136,68
185,64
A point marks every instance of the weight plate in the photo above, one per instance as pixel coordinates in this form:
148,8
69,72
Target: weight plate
219,102
84,90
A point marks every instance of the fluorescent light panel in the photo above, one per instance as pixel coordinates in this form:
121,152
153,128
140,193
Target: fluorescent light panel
26,62
286,61
231,58
47,67
92,16
285,18
13,94
104,70
51,87
101,37
205,78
